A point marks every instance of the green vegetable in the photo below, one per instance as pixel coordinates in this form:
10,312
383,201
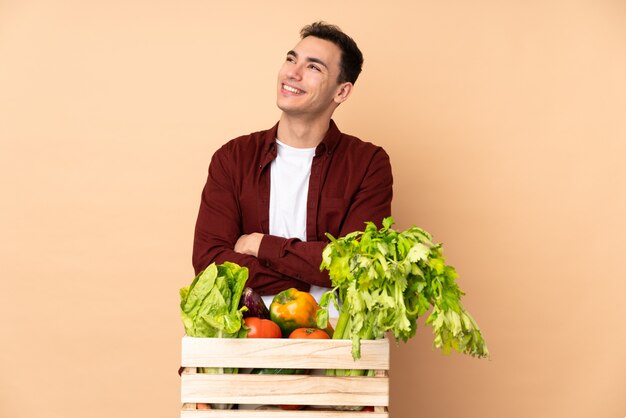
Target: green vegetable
210,307
279,371
386,279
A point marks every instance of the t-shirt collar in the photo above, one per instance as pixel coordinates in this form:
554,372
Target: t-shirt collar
328,144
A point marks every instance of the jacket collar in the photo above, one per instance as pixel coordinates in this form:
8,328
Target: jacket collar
328,144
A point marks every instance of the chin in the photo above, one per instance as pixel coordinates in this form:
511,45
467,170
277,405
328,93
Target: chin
284,108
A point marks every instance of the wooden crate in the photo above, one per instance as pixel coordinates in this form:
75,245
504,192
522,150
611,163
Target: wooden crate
315,390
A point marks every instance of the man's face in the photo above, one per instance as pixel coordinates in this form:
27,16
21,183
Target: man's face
307,81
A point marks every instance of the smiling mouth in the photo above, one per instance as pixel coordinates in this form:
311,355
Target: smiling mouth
292,89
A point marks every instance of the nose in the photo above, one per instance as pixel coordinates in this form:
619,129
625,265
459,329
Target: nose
294,72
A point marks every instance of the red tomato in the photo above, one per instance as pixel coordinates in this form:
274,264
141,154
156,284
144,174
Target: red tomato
262,328
310,333
290,407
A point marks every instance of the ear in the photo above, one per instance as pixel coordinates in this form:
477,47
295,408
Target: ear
343,92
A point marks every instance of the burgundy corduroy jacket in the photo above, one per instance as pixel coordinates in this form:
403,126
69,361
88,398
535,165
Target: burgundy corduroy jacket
350,183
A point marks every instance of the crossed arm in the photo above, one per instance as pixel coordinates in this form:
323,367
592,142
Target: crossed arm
275,263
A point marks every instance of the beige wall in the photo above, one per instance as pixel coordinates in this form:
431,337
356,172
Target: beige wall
505,122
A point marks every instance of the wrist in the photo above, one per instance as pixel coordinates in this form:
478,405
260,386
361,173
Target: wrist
249,244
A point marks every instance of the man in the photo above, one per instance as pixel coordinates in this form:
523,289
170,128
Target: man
272,195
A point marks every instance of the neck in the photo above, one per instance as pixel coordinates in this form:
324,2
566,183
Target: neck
302,133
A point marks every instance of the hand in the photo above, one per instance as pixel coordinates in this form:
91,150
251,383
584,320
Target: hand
249,244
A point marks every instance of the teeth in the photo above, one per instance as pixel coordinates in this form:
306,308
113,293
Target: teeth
291,89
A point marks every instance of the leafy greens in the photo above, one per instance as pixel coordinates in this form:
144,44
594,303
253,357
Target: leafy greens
209,306
386,279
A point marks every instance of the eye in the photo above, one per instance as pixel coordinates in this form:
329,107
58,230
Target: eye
314,67
290,58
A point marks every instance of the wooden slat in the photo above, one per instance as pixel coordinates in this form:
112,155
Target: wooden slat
284,389
280,414
283,353
189,370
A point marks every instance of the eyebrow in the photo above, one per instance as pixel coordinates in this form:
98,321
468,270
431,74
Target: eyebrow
309,59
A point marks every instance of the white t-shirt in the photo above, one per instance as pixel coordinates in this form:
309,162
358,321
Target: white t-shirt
289,187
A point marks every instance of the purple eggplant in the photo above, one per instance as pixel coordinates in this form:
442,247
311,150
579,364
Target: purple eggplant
254,302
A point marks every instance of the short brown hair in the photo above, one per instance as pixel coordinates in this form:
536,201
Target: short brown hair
351,56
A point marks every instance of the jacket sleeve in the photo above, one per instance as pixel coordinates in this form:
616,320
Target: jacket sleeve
301,260
219,226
